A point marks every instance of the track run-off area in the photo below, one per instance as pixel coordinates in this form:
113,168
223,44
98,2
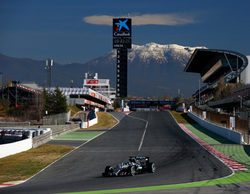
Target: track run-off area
178,158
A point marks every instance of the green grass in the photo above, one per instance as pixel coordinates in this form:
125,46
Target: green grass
23,165
239,153
74,110
79,135
182,117
236,178
206,135
105,120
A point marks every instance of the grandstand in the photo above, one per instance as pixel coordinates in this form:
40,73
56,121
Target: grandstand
18,93
215,65
83,96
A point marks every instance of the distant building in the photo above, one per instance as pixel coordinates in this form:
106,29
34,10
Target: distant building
214,66
85,97
100,85
245,75
18,93
22,93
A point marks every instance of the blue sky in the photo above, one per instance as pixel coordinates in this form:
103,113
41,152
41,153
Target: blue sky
76,30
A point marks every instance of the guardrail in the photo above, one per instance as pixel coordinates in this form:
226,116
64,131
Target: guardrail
14,124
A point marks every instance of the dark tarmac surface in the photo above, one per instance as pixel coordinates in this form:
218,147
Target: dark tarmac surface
74,143
178,158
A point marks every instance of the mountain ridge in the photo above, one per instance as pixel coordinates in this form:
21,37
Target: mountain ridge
153,70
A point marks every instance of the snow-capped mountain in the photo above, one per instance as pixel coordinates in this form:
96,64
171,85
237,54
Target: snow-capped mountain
153,70
153,52
149,55
157,53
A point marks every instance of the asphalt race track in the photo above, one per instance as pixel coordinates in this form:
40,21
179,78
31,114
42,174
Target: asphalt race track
179,159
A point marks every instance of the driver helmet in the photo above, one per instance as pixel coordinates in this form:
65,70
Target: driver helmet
132,160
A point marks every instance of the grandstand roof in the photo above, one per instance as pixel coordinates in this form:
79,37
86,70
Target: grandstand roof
88,93
212,64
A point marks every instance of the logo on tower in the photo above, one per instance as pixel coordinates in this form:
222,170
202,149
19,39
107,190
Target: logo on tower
122,32
122,24
122,27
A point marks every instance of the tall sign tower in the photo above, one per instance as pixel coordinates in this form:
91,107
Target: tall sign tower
122,32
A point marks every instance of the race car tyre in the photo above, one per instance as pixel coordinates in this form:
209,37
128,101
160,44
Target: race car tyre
151,167
107,171
132,170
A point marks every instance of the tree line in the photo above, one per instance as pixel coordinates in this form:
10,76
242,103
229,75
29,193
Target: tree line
46,103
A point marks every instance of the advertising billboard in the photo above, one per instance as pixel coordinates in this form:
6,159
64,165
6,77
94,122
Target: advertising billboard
122,31
92,81
96,82
121,27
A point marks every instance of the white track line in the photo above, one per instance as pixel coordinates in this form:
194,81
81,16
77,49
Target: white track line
142,138
144,132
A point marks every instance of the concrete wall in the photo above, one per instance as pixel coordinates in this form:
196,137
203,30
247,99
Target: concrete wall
58,130
16,147
41,139
58,119
222,131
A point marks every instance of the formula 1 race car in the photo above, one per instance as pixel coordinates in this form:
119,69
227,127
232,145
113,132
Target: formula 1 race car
135,165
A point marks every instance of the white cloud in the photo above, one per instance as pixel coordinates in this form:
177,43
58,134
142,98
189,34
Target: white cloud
146,19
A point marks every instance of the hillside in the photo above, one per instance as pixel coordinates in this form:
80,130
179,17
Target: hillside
153,70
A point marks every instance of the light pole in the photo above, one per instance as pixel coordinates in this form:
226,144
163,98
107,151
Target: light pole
241,99
48,67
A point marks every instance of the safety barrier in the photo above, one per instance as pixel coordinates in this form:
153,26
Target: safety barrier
90,122
41,139
35,138
222,131
16,147
13,134
58,130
